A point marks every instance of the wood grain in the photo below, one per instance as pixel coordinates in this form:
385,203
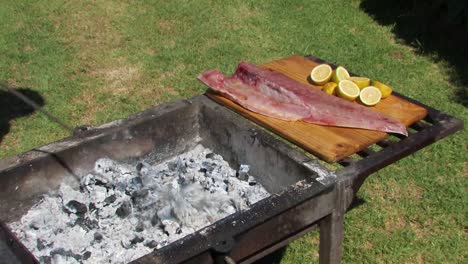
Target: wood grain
328,143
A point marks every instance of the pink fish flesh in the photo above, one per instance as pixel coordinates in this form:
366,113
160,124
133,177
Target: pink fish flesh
275,95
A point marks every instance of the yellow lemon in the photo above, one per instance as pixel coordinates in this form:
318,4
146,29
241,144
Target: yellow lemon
384,89
370,95
340,74
348,90
330,87
321,74
360,81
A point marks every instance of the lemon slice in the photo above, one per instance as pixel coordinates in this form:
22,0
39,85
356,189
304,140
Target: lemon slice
360,81
340,74
348,90
370,95
330,87
321,74
384,89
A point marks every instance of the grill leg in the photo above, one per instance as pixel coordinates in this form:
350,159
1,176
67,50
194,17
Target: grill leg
332,229
331,238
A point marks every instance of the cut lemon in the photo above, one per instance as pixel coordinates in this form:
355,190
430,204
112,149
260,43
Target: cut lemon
330,88
360,81
348,90
384,89
370,95
340,74
321,74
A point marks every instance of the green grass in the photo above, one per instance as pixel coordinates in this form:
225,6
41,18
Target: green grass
93,62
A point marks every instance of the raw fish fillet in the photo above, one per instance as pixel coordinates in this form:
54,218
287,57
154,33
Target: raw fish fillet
275,95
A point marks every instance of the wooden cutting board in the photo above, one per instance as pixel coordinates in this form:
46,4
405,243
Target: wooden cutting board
328,143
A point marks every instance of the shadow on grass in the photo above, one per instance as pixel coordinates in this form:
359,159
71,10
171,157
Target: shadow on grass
11,107
429,29
273,258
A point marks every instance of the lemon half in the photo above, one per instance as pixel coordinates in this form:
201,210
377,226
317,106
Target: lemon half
370,95
340,74
348,90
330,87
361,81
384,89
321,74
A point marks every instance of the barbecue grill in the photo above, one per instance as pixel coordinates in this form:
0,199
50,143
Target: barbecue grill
302,190
304,194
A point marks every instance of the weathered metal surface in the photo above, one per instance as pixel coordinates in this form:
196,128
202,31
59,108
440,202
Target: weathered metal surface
437,126
12,251
163,132
282,226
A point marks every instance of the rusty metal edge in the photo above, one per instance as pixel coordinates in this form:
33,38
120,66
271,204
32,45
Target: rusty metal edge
443,125
22,254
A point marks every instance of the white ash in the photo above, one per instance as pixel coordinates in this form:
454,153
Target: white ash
122,211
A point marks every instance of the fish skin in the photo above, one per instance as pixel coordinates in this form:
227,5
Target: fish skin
253,99
275,95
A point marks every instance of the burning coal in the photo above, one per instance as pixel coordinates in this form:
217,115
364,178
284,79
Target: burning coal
124,211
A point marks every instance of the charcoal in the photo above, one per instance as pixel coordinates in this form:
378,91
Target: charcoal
124,210
92,206
192,164
137,239
170,227
243,172
166,173
86,255
155,221
172,165
45,259
209,166
137,181
139,166
87,180
120,186
87,223
98,236
65,253
177,166
140,227
58,231
181,166
76,207
135,206
139,195
110,199
181,179
151,244
41,244
251,180
102,180
135,184
126,243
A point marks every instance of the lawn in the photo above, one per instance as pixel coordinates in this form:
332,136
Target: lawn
91,62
